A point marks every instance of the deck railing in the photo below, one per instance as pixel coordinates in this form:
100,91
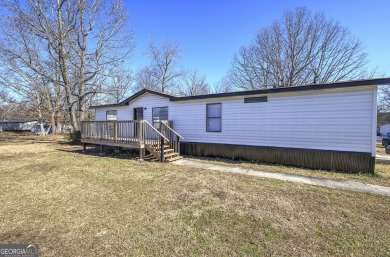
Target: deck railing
118,132
172,136
133,133
154,141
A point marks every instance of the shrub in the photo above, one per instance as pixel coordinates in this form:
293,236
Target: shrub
74,137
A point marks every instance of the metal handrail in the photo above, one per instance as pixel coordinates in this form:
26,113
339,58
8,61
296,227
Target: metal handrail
177,134
156,130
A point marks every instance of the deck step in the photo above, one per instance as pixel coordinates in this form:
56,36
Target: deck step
170,155
158,147
150,158
155,151
169,150
174,159
165,150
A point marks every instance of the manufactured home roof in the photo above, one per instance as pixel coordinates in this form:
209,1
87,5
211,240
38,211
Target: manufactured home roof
264,91
18,121
139,93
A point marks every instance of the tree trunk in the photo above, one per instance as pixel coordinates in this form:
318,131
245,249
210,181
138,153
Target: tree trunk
83,61
62,56
59,127
73,119
53,123
43,132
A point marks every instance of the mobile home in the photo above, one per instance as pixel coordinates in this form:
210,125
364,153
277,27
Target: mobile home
17,125
321,126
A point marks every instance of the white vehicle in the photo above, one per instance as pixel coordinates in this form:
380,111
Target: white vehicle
36,129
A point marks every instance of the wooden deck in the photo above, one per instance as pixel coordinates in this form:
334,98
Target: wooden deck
115,133
133,144
164,143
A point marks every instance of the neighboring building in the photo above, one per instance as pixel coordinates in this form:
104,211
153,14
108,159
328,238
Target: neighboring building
17,125
323,126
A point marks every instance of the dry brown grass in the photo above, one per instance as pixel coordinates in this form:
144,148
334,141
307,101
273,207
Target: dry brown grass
75,204
380,150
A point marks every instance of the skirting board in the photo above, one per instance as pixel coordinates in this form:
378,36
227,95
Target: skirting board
353,162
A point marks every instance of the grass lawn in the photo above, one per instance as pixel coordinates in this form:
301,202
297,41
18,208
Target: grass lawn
381,150
380,177
71,203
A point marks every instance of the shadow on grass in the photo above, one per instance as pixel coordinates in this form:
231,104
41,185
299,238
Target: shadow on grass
29,138
131,154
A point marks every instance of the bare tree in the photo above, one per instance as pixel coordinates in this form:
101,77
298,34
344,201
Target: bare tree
30,88
193,84
119,85
13,109
7,105
107,25
301,48
20,60
53,92
384,98
223,86
145,78
4,96
164,71
82,40
17,110
383,108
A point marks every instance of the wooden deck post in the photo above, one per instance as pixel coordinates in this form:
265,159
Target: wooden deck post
162,149
101,150
178,144
143,132
140,133
84,147
115,131
82,131
141,154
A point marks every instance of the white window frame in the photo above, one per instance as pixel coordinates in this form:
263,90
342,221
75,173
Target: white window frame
207,118
110,112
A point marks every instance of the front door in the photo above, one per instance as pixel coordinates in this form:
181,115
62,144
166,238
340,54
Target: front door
138,114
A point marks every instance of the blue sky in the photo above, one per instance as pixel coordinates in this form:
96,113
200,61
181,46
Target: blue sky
210,32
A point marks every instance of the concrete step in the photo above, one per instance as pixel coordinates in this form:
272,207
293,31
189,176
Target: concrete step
385,159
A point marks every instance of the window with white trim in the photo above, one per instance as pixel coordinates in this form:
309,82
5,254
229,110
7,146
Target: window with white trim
111,115
159,114
214,117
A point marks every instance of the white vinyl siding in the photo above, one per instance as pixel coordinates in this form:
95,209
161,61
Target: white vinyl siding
100,114
328,119
332,119
146,100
